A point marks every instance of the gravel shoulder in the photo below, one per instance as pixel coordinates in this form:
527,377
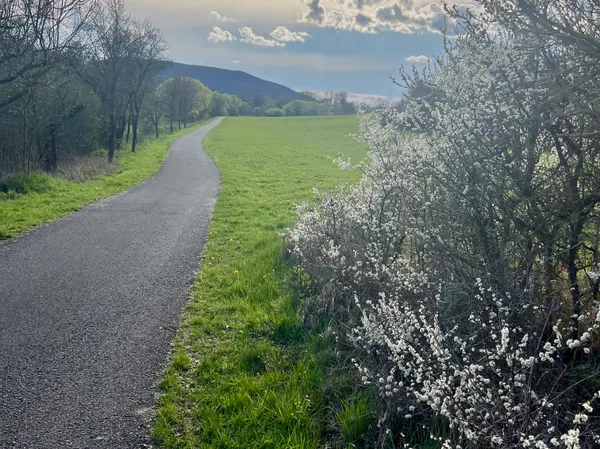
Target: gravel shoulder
90,303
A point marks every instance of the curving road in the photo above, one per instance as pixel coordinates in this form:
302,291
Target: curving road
89,305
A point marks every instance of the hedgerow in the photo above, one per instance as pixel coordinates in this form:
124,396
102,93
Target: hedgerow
461,273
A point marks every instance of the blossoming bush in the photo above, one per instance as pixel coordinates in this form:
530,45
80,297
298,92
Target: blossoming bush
460,272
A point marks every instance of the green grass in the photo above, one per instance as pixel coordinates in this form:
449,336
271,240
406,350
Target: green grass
244,373
354,418
27,201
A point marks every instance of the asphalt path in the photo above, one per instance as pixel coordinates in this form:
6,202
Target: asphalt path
89,306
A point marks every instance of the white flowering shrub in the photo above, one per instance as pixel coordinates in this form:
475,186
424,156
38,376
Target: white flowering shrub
461,272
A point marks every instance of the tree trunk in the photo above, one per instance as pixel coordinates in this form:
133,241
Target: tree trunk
51,159
112,135
574,243
128,128
156,129
171,124
135,131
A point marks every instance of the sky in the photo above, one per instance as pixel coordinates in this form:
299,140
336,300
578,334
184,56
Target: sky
316,45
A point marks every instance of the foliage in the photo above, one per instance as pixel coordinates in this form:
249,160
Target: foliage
309,108
461,273
185,98
338,102
275,112
223,105
252,377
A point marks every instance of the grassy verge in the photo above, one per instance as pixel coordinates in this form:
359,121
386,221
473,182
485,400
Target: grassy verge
244,373
44,198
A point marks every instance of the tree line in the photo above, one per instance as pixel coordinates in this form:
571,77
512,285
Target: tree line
315,103
74,75
79,75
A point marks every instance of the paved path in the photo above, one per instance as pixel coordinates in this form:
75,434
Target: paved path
89,305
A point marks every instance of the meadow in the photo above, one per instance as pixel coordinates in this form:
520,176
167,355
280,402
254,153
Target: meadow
29,200
245,372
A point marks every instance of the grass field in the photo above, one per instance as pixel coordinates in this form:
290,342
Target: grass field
244,373
43,198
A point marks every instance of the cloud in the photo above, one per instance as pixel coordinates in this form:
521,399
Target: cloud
217,35
391,14
282,34
316,12
417,59
362,20
222,19
360,4
372,16
235,61
248,37
432,16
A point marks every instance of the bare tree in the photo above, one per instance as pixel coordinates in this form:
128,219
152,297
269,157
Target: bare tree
170,93
35,37
148,61
112,46
154,109
69,71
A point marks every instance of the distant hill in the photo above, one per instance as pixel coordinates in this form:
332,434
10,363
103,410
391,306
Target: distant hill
232,81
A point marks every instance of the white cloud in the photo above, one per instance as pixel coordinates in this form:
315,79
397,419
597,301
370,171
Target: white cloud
217,35
282,34
421,59
248,37
222,19
235,61
372,16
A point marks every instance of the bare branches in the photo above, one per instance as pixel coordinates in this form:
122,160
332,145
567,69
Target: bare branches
122,60
111,59
35,37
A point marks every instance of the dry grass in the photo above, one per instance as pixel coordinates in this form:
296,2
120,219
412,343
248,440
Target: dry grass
81,169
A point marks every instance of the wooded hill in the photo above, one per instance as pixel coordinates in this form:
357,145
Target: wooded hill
232,81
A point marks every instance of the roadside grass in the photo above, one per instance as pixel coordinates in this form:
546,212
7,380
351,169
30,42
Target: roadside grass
27,201
244,372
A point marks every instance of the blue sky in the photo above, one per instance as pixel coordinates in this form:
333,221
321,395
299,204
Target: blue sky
352,45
